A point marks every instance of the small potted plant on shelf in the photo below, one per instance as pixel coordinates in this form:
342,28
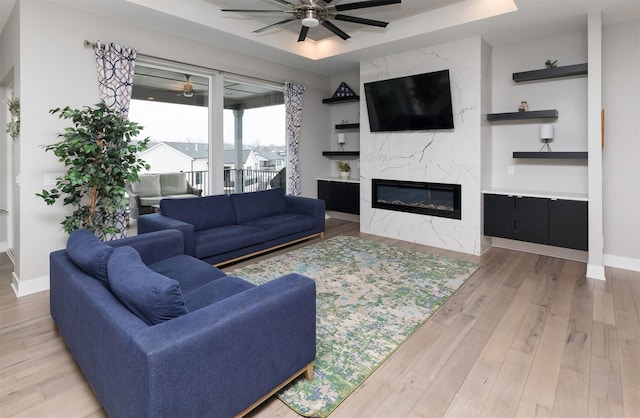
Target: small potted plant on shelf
344,168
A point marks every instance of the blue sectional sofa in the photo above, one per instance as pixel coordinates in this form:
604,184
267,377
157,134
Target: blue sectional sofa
224,228
158,333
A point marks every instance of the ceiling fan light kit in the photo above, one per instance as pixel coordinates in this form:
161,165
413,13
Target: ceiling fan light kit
312,13
187,89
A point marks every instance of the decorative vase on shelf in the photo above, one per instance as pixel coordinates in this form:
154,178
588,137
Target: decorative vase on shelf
344,175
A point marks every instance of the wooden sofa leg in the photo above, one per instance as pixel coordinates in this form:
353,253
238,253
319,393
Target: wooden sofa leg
308,373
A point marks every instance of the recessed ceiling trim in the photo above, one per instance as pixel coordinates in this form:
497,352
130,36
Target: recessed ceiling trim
206,13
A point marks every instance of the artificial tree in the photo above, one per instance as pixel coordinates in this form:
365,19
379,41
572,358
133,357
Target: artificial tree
100,156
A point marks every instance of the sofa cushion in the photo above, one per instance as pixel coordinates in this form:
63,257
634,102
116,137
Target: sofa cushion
190,272
216,291
203,212
173,183
214,241
153,297
282,225
147,185
89,253
255,205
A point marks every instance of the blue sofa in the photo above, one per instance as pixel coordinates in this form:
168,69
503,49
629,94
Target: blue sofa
223,228
158,333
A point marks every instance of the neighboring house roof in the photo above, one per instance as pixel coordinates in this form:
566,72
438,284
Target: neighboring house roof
192,149
230,156
270,155
201,150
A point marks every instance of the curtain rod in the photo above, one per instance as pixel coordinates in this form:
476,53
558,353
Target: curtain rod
94,45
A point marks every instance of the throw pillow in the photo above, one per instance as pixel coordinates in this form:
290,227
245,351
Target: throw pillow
148,185
173,184
89,253
153,297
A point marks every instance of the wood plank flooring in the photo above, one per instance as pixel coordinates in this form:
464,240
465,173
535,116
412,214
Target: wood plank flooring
526,336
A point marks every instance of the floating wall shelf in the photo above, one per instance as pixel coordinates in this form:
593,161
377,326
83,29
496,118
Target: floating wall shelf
341,153
565,71
532,114
556,155
333,100
348,126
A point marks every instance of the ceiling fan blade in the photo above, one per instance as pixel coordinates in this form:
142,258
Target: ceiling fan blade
336,30
365,4
255,11
303,34
282,22
361,20
285,2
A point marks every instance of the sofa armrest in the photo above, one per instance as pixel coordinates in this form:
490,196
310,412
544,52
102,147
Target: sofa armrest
193,190
238,349
307,206
154,246
157,222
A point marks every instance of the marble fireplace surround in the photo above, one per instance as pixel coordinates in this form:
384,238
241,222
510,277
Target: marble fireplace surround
439,156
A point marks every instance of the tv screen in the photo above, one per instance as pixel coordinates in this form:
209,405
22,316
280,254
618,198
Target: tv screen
412,103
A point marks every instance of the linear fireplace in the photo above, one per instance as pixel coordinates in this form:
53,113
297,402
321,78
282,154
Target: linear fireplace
435,199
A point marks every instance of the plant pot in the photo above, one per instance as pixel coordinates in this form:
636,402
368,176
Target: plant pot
344,175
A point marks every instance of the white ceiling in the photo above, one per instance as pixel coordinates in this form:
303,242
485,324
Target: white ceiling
412,24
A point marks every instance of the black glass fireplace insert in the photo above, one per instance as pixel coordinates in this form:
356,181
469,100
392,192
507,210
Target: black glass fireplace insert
435,199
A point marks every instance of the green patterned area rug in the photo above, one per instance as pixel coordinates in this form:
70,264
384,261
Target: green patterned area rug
370,298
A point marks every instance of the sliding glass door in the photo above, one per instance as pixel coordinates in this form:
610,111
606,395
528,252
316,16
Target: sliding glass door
254,136
178,106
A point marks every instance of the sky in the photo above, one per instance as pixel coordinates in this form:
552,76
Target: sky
183,123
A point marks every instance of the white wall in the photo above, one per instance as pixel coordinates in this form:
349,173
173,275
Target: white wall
621,153
434,156
567,95
63,73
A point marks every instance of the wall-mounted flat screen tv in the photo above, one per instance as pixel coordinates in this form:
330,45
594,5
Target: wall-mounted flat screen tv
413,103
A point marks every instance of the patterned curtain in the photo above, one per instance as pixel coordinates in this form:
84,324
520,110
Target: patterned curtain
293,104
115,75
115,66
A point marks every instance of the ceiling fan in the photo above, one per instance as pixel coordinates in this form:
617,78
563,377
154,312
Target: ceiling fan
312,13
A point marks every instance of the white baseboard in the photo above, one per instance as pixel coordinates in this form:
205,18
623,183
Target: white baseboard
625,263
28,287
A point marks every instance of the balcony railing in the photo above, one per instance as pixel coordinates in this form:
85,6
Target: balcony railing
235,181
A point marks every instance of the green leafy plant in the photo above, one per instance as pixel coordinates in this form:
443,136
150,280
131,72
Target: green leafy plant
343,166
100,156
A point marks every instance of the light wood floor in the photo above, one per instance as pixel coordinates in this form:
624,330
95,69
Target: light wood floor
526,336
